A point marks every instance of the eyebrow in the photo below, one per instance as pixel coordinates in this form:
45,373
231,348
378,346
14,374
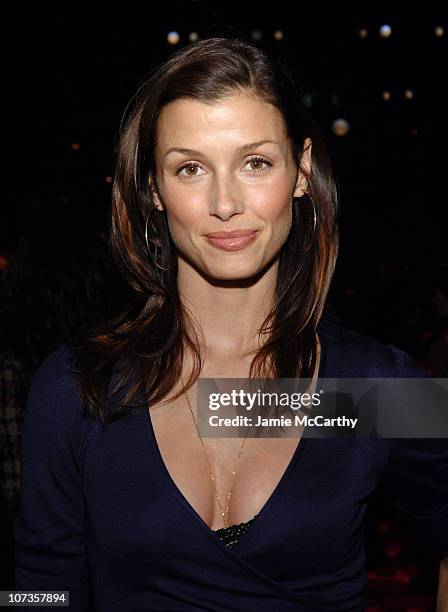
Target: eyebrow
240,149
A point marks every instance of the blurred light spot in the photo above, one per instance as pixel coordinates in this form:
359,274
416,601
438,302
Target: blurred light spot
340,127
385,31
362,32
408,94
75,146
256,34
173,38
308,99
310,95
439,31
108,179
193,36
386,95
278,35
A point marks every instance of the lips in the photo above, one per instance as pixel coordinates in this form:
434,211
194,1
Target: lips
234,234
232,241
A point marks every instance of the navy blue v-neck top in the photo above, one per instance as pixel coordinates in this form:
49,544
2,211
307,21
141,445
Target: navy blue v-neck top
100,511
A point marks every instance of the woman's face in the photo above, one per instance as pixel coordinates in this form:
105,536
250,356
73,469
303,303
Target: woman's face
224,182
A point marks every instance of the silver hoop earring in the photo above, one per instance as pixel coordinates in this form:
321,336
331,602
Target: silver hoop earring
147,244
314,213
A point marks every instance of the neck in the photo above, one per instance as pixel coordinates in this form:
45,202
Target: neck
230,313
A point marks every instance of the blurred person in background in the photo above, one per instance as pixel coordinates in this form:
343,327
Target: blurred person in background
57,281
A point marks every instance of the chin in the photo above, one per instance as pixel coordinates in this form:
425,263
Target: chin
235,272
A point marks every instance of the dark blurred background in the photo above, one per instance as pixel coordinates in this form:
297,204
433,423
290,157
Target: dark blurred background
375,80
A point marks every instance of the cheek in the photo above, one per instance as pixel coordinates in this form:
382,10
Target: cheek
274,200
283,225
182,219
276,210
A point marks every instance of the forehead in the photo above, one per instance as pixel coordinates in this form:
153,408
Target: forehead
187,121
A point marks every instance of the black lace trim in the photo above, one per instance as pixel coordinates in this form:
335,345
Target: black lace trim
231,535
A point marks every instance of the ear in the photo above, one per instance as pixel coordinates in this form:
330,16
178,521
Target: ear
155,196
304,171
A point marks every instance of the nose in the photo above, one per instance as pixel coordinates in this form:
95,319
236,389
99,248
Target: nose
226,201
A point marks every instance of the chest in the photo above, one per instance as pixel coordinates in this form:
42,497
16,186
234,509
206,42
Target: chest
259,463
258,470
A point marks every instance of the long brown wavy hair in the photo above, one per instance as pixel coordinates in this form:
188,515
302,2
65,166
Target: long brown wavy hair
142,349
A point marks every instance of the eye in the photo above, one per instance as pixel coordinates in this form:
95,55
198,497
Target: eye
253,160
259,160
189,166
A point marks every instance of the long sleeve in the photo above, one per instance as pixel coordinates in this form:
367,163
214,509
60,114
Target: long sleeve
417,477
50,551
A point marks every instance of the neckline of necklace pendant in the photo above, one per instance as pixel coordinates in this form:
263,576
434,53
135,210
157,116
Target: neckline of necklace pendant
224,513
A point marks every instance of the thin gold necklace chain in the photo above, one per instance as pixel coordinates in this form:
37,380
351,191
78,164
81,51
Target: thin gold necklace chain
229,494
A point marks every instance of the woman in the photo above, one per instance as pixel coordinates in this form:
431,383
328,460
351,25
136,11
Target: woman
125,497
